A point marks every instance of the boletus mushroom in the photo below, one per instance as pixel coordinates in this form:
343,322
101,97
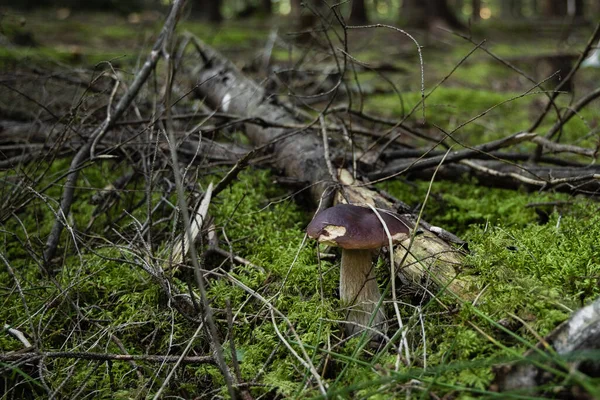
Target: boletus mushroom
358,231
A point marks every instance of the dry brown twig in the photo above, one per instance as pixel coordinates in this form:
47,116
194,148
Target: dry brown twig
34,356
87,150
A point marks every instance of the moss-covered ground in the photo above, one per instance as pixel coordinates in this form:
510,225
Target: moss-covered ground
534,257
527,271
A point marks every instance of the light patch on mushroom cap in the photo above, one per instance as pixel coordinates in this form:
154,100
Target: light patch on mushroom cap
400,236
330,233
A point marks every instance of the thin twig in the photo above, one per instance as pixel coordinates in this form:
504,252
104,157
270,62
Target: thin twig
87,149
31,356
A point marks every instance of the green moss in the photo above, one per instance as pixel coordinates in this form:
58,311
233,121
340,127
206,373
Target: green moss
462,206
525,271
450,108
534,272
59,54
227,35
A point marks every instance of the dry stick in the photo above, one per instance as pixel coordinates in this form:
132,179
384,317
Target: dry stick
181,249
19,335
107,357
418,51
459,155
87,150
404,341
544,184
326,149
306,361
11,272
234,120
454,156
385,121
234,359
462,155
234,257
208,312
510,66
431,162
572,111
233,172
180,360
564,148
500,155
440,83
422,70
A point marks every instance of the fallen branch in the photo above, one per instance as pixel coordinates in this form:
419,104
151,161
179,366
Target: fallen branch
575,341
87,150
454,156
182,245
33,356
511,176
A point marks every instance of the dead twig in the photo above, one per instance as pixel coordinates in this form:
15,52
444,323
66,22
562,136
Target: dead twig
33,356
87,150
182,246
454,156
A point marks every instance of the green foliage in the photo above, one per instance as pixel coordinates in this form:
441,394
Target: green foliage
530,275
450,108
270,234
228,35
532,272
460,206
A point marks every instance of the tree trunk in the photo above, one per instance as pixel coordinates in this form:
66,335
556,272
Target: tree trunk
511,9
423,14
579,8
267,7
555,8
358,14
414,14
476,5
208,10
516,8
296,8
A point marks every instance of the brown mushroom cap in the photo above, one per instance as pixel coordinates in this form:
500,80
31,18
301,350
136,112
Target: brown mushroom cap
354,227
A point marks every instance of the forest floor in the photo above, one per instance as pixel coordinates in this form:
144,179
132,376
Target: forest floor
533,255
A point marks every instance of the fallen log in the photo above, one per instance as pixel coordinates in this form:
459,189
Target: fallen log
573,346
425,261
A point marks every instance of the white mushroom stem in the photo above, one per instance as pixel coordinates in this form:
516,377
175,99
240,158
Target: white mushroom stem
359,291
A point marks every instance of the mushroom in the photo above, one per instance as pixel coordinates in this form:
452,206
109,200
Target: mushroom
358,231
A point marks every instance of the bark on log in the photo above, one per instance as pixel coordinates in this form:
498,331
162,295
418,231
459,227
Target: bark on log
577,338
300,154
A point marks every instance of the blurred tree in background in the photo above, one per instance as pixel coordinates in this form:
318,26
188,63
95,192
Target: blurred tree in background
410,13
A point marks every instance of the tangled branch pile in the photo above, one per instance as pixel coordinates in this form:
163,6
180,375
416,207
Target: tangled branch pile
153,229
